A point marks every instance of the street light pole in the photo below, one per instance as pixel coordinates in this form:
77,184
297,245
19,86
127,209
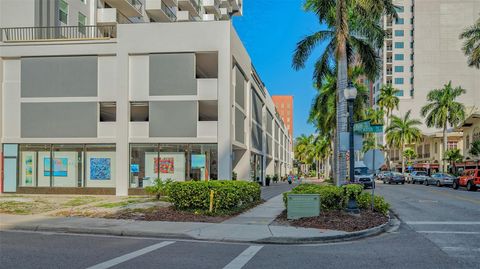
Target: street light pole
350,94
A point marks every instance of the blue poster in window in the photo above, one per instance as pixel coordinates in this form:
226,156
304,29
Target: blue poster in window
100,169
60,167
134,168
198,161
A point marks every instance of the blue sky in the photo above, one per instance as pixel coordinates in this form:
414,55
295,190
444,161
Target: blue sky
270,30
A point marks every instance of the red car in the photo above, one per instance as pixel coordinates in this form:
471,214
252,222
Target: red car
470,179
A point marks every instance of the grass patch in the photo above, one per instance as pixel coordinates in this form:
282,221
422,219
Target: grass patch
82,200
119,204
15,207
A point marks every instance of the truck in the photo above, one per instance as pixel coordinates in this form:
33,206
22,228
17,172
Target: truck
364,176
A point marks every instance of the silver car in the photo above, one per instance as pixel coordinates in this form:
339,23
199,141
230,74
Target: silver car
418,177
440,179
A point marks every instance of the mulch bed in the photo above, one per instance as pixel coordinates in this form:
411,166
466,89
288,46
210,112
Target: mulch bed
166,214
337,220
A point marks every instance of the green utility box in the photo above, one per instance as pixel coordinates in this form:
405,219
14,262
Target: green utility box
303,205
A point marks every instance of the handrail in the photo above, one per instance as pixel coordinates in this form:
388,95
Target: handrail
62,33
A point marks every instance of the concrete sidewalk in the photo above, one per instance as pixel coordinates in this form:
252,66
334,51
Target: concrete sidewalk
263,214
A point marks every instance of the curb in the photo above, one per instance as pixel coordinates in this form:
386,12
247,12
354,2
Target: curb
392,224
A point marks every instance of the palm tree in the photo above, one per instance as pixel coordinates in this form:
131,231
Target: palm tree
409,154
304,151
443,109
471,45
323,112
388,100
453,156
403,131
322,150
376,116
475,148
362,17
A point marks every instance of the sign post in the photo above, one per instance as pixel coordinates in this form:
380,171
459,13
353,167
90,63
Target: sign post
373,158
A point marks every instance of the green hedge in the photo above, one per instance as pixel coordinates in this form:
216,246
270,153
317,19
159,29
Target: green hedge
335,198
331,197
228,194
364,201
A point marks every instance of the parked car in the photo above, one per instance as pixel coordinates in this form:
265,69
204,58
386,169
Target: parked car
381,175
470,179
393,177
440,179
418,177
363,177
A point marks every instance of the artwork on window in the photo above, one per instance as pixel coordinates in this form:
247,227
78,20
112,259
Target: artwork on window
198,161
165,165
28,170
60,167
134,168
100,168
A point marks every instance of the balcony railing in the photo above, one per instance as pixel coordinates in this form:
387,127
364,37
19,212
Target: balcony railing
54,33
168,11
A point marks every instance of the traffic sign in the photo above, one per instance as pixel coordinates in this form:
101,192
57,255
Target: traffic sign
373,159
365,126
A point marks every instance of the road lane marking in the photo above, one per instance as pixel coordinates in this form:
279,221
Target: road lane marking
456,196
462,249
446,232
129,256
443,222
243,258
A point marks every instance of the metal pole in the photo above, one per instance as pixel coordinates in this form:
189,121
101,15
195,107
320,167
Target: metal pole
352,152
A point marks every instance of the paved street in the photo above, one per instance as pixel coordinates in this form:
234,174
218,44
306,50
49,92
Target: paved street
416,244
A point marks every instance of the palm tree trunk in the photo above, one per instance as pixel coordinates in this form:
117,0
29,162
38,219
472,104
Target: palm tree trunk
342,81
403,159
444,166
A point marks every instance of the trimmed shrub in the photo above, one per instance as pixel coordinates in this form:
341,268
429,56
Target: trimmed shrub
352,191
228,194
331,197
160,188
364,201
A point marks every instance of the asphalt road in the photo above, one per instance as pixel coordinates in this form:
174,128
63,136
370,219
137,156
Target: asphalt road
435,244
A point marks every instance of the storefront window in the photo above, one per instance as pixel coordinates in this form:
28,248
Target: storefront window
142,172
178,162
100,166
31,171
73,165
67,166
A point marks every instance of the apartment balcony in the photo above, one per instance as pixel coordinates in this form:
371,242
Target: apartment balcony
389,72
129,8
183,15
211,6
389,48
160,11
207,128
224,14
193,6
389,60
210,17
207,88
106,16
58,33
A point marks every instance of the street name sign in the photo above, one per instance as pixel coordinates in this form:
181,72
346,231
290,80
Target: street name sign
365,126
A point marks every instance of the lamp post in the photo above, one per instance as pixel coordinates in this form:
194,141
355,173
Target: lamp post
350,94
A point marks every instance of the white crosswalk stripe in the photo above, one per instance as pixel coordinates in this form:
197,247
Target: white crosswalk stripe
243,258
131,255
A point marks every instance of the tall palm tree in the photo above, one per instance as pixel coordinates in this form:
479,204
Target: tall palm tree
388,100
304,150
323,112
409,154
322,150
376,116
471,45
362,17
443,109
403,131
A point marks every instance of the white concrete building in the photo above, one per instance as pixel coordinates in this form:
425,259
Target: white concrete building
109,109
423,52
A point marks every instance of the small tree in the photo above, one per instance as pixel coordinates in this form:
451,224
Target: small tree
453,156
409,154
475,149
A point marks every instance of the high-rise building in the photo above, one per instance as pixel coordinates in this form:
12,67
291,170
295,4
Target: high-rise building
106,108
284,105
422,51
